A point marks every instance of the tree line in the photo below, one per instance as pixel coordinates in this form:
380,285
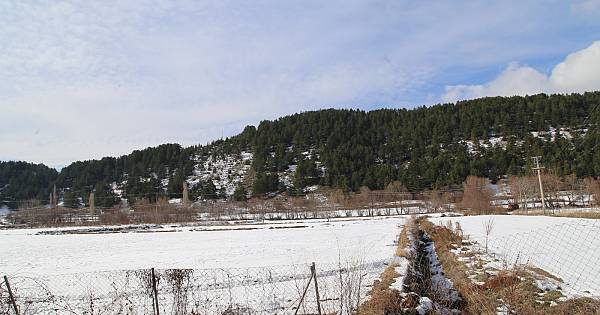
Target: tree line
422,148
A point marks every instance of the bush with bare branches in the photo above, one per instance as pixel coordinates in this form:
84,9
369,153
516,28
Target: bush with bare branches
477,195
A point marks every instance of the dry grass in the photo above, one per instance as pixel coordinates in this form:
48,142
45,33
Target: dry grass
382,297
579,306
478,299
402,241
513,288
544,273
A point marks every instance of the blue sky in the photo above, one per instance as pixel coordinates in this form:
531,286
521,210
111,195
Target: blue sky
86,79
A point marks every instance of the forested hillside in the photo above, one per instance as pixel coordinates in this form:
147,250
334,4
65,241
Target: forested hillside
24,181
425,147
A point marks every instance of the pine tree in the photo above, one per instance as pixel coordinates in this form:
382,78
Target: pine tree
70,200
240,193
209,190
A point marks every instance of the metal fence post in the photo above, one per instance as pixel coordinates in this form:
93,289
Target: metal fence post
155,293
10,294
313,269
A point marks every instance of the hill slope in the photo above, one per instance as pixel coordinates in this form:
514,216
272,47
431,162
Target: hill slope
425,147
23,181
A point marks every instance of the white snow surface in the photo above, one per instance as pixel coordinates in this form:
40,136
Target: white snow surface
24,252
439,283
69,264
425,305
566,247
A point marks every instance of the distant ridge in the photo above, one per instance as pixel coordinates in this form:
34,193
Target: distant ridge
425,147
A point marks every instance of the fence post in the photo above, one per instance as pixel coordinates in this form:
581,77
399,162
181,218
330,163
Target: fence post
10,294
304,293
313,270
155,291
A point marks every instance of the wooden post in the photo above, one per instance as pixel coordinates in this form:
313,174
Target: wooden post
155,291
313,270
304,293
10,294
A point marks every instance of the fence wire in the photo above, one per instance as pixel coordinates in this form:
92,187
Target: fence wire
264,290
569,251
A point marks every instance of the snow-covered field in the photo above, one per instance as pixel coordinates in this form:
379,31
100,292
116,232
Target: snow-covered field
24,251
223,259
566,247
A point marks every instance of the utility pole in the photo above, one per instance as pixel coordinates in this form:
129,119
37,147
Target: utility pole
538,168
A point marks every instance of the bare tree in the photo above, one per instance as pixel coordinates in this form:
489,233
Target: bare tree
338,196
364,197
518,187
553,185
395,186
532,188
572,186
477,195
438,201
523,189
400,193
458,229
489,227
592,188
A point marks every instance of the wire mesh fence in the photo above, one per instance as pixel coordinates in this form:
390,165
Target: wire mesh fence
569,251
549,269
287,289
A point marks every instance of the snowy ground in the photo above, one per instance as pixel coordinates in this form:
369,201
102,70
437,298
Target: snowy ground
92,257
25,251
566,247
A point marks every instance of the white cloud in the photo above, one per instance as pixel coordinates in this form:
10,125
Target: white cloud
86,79
587,6
579,72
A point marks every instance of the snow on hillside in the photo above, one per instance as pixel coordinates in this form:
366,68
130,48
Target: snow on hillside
553,133
472,148
225,172
498,141
287,176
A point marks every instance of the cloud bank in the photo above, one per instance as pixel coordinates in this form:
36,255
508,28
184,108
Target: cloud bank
579,72
87,79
